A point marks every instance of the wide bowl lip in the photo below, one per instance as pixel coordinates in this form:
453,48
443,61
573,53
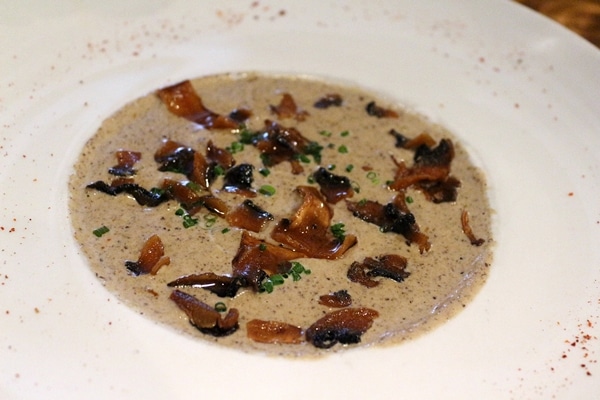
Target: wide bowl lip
538,44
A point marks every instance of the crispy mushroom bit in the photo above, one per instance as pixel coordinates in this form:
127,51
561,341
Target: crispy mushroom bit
445,191
406,143
333,187
466,228
249,216
344,326
219,156
191,201
273,332
392,217
238,179
338,299
288,108
175,157
388,266
144,197
152,258
329,100
204,317
278,144
221,285
240,115
182,100
125,161
376,111
430,164
257,259
308,231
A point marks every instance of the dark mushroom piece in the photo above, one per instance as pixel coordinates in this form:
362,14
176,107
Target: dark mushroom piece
273,332
466,227
329,100
392,217
239,179
144,197
182,100
376,111
333,187
249,216
338,299
388,266
204,317
126,159
345,326
287,108
221,285
308,231
257,259
152,258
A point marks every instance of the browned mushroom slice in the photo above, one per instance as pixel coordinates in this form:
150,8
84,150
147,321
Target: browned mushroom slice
431,164
391,217
248,216
175,157
204,317
287,108
466,227
191,201
238,179
406,143
376,111
388,266
221,285
126,159
273,332
345,326
151,259
308,232
333,187
219,156
278,144
338,299
257,259
240,115
445,191
143,197
329,100
182,100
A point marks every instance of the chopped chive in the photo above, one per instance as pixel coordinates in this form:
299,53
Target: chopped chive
349,168
338,230
310,179
343,149
409,199
188,221
264,171
100,231
373,177
325,133
209,220
236,147
267,190
219,170
331,167
277,279
262,247
362,202
225,230
220,307
179,212
304,158
345,133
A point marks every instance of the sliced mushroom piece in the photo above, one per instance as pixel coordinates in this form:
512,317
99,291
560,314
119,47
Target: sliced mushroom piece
333,187
249,216
338,299
239,179
308,231
204,317
126,159
221,285
152,258
345,326
182,100
144,197
257,259
287,108
274,332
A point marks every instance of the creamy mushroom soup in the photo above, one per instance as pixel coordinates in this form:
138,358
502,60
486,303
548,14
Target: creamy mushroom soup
282,214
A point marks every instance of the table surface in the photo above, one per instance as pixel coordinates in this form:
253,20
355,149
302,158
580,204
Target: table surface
581,16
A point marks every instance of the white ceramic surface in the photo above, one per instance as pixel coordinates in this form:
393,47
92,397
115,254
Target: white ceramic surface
520,91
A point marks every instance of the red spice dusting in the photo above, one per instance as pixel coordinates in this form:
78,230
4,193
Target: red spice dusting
570,194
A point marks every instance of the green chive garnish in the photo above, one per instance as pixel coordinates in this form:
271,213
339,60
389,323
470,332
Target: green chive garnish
267,190
100,231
